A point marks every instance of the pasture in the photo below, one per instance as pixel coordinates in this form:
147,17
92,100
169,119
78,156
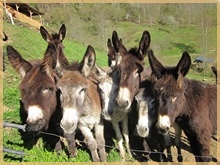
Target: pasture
31,45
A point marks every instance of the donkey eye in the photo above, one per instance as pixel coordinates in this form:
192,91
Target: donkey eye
82,90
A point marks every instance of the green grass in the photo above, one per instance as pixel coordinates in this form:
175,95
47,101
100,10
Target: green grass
168,44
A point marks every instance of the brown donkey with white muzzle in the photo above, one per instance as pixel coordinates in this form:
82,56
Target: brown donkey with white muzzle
38,90
81,105
190,103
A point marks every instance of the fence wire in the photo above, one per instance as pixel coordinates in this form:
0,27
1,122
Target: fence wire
187,156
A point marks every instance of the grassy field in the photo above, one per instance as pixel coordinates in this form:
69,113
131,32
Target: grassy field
167,43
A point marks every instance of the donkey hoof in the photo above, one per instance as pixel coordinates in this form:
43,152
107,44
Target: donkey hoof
58,153
180,158
73,155
170,158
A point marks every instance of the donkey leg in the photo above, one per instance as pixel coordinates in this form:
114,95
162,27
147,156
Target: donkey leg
126,133
58,147
200,144
169,154
71,144
205,148
119,138
178,132
99,135
147,150
90,142
167,144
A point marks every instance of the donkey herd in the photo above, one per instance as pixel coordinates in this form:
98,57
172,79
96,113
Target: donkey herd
80,99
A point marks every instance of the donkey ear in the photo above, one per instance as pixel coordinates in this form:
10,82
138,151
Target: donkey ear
46,36
156,67
182,68
99,72
18,63
144,45
88,61
109,43
184,64
62,32
117,43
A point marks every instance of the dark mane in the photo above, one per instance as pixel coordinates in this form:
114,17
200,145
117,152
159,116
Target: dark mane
55,36
133,50
74,66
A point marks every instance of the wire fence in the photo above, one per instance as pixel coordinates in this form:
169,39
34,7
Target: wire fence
186,153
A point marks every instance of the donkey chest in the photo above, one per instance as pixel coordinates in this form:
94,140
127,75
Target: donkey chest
89,120
118,115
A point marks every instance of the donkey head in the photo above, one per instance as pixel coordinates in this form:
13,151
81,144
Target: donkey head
147,115
56,39
169,89
74,87
129,67
112,54
37,87
108,91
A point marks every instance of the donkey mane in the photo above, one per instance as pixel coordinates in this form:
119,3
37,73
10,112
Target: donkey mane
55,36
133,50
74,66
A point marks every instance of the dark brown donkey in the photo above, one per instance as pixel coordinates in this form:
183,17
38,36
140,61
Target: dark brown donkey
192,104
81,105
37,87
119,87
56,40
146,125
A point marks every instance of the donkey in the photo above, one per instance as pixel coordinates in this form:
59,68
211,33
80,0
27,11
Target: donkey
56,40
190,103
146,125
120,86
214,70
112,54
81,105
38,89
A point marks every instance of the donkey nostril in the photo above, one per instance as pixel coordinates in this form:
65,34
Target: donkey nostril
28,122
126,103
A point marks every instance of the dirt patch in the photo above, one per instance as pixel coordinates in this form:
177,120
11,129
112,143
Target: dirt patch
186,150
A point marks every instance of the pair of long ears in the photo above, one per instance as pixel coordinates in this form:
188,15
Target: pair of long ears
181,68
47,37
23,66
142,49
